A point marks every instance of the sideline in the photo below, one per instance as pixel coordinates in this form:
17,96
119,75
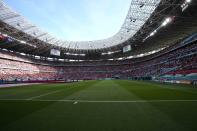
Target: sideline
16,85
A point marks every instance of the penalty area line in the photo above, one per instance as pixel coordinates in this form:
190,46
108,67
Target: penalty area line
97,101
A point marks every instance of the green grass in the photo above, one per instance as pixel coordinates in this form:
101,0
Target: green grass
102,106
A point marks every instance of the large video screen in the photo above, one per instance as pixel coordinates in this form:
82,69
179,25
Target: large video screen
126,48
55,52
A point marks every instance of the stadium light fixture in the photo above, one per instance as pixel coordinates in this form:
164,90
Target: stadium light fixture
23,42
166,21
188,1
153,33
109,53
23,54
121,58
74,54
111,59
185,5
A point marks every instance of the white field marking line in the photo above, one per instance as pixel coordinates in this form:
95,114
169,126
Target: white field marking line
94,101
16,85
49,93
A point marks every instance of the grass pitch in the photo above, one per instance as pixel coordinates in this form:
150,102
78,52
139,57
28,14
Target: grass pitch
99,106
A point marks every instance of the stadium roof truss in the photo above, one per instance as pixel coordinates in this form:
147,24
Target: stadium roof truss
138,14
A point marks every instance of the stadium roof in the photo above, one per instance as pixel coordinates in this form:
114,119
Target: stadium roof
139,12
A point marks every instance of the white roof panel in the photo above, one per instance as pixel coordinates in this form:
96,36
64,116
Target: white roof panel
138,14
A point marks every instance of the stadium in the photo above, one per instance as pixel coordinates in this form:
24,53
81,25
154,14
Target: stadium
144,77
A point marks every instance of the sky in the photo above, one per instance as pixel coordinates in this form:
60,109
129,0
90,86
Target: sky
74,20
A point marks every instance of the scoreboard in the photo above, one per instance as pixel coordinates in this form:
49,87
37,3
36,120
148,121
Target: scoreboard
126,48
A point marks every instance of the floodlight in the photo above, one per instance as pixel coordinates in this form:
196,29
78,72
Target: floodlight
166,21
23,42
153,33
188,1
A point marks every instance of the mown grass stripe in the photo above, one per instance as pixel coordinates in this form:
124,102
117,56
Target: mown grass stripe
99,101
